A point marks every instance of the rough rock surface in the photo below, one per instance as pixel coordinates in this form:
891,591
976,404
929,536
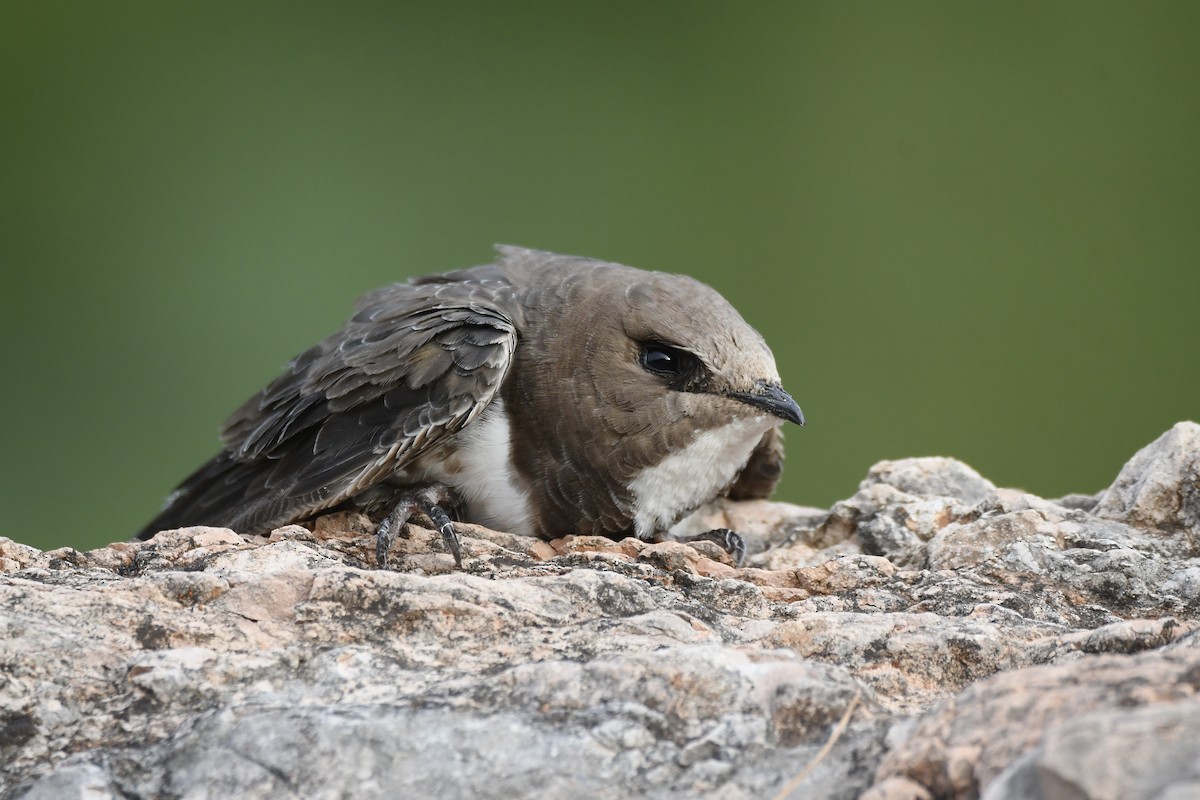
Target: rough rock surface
932,636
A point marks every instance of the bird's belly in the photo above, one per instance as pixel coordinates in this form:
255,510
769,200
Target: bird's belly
690,477
477,465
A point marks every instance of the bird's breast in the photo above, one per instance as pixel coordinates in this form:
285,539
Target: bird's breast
695,474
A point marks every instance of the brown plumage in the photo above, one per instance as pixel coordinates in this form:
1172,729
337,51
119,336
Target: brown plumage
550,394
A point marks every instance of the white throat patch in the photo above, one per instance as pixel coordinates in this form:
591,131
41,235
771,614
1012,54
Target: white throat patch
692,476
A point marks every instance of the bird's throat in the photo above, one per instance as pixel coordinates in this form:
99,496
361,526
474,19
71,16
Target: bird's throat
695,474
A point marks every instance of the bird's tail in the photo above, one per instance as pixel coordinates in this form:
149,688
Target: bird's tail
212,495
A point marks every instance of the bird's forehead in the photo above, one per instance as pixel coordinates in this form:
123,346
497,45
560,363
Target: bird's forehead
617,303
682,311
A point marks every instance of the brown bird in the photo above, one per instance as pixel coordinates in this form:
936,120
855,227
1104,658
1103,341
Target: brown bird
541,394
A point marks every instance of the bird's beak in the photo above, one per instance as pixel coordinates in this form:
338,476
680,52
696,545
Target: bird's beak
771,398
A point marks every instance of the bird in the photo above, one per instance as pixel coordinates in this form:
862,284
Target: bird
539,394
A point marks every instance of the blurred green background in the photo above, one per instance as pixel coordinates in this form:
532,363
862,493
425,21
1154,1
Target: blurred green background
966,229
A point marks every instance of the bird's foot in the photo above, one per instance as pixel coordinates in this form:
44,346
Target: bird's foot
729,541
431,500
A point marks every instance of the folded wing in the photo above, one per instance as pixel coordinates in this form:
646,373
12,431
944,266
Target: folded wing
416,363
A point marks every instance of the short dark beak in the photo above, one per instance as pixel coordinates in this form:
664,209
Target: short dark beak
771,397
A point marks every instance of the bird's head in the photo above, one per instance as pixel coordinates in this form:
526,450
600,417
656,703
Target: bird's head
644,389
679,345
650,351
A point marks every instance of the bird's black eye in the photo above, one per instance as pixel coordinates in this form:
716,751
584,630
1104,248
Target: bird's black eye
668,362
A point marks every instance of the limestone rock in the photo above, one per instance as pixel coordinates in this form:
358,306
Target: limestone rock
931,636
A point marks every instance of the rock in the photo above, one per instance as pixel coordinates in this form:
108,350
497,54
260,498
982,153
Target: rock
1149,752
931,477
763,524
1160,486
931,636
902,504
82,781
1106,727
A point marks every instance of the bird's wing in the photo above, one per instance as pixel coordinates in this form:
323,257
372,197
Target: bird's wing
416,363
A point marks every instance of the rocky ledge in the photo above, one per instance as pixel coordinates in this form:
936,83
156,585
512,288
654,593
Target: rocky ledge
930,637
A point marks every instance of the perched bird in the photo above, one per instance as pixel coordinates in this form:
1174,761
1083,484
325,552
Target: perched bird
541,394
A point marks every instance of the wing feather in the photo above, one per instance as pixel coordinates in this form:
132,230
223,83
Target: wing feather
416,363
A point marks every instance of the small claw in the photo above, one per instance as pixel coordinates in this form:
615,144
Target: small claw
729,541
383,543
445,527
386,535
733,544
426,500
